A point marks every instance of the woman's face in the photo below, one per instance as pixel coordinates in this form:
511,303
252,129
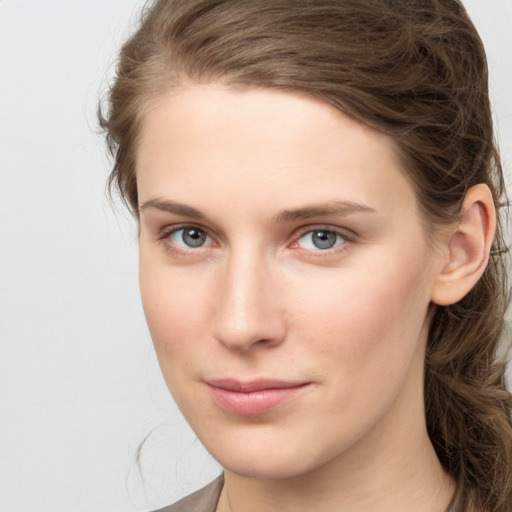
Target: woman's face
285,277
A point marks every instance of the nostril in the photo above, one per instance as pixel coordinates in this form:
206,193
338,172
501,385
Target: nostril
243,332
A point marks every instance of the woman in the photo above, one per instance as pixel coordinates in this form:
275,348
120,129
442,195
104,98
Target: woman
321,254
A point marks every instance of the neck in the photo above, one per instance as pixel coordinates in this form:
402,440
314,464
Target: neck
397,485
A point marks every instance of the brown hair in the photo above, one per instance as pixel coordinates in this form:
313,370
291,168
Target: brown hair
415,70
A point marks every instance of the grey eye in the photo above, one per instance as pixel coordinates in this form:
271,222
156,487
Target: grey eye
321,239
189,238
193,237
324,239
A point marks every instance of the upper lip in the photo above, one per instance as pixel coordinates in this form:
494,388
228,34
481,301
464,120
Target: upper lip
253,385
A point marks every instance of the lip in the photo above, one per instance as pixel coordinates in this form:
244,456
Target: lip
251,398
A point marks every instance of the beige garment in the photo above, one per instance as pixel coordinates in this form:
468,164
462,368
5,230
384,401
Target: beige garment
206,499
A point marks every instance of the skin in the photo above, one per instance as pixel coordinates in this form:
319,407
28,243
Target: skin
259,299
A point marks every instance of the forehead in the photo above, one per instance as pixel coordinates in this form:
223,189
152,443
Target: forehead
262,145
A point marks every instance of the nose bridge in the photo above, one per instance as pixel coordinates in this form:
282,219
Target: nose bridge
247,313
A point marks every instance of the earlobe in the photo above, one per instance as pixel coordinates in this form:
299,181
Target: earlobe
468,247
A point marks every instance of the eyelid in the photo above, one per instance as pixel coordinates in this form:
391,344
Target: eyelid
348,236
166,232
344,232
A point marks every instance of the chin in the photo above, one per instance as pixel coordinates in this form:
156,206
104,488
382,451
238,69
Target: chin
265,469
281,461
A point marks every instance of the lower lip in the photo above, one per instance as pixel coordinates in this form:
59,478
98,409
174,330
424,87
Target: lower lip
252,403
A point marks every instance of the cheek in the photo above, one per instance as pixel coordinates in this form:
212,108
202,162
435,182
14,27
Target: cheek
367,322
175,307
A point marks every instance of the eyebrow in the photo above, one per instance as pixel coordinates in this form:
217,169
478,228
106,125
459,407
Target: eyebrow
286,216
317,210
172,207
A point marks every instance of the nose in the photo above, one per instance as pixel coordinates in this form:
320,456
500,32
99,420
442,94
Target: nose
248,313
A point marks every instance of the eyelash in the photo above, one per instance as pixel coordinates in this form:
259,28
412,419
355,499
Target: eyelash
347,239
168,232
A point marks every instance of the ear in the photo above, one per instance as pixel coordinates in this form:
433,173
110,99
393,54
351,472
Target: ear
468,244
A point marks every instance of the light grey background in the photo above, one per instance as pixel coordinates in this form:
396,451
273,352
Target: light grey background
79,383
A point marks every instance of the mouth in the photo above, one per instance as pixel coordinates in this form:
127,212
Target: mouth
253,397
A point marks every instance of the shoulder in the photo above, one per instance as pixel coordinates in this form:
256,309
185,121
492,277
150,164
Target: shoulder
203,500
